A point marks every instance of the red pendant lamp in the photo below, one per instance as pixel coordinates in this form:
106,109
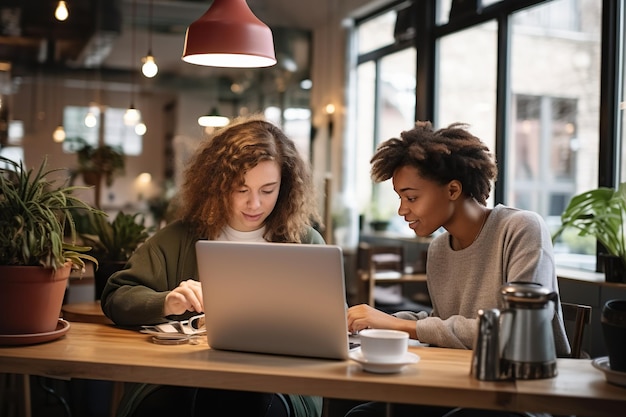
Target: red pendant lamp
229,35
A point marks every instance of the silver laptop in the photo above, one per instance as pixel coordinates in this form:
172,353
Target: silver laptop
276,298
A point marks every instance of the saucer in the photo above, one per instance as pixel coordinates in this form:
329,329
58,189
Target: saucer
30,339
383,368
613,377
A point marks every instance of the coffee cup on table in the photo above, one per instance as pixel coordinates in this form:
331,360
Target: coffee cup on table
614,331
383,345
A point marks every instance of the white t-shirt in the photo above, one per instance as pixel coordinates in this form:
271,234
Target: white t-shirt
228,233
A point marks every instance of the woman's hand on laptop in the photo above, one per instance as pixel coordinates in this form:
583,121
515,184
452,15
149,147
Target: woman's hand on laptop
363,316
186,297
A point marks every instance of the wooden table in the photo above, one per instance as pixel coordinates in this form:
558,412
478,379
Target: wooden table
441,377
85,312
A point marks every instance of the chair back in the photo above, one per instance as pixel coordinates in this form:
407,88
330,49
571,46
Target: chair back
380,258
377,262
576,318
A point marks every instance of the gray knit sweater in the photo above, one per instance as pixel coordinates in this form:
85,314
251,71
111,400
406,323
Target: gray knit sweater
514,245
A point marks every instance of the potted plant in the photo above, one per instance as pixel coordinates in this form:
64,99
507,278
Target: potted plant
37,247
112,242
97,163
379,216
601,213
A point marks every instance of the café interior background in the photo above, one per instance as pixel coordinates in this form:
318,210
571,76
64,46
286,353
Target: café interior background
528,76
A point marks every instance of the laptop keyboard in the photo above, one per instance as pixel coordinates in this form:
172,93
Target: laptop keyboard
353,342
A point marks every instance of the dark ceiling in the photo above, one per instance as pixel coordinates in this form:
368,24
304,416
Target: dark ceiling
31,36
111,36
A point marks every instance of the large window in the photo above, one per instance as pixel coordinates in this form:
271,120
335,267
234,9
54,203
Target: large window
549,93
528,77
554,114
385,101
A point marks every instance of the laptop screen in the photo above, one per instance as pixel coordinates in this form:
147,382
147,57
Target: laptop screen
275,298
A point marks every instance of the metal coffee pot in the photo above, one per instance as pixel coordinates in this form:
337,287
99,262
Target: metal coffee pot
518,342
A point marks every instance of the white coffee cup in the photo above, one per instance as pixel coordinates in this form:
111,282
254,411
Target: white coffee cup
383,345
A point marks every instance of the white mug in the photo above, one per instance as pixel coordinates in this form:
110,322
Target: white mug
383,345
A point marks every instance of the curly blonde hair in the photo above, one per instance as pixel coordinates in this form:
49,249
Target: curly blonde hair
443,155
220,164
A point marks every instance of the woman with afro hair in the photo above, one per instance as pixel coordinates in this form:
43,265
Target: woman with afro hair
443,179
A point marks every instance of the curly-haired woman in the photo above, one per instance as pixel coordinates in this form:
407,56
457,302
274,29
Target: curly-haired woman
247,183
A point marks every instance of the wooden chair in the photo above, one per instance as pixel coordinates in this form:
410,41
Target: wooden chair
576,318
376,263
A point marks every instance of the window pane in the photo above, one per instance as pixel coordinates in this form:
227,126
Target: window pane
364,131
385,106
116,133
467,81
396,106
75,127
444,7
298,128
377,32
555,62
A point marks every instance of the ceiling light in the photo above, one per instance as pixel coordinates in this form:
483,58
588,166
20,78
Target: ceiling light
90,119
149,67
229,35
213,119
141,128
132,116
93,113
61,12
59,134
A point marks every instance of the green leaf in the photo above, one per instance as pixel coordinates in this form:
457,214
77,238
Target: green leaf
598,213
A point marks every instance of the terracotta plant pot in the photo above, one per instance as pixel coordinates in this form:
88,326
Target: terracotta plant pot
31,298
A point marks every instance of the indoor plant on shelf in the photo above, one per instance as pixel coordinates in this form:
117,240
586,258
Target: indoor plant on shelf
37,247
97,163
601,213
112,242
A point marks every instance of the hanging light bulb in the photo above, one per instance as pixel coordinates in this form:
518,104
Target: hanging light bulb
90,119
213,119
228,34
59,134
141,129
61,12
132,116
149,67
